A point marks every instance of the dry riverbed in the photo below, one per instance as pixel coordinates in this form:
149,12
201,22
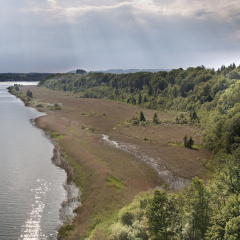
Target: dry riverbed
112,160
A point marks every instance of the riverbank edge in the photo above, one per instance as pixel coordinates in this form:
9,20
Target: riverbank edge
59,161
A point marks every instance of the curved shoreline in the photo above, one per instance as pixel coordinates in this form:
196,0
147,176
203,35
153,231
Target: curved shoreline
66,211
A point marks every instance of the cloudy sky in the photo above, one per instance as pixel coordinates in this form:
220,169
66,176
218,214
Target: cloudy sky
62,35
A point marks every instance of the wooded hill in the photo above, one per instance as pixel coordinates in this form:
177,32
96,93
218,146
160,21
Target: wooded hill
204,97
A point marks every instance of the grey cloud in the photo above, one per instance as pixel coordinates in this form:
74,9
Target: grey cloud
122,37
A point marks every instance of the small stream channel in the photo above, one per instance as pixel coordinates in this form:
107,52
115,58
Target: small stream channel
174,182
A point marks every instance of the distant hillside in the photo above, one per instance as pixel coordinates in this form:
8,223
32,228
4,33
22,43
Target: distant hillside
122,71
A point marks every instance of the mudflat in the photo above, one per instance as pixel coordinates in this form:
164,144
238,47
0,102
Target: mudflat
112,159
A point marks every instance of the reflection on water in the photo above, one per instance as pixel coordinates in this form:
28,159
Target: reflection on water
167,176
32,227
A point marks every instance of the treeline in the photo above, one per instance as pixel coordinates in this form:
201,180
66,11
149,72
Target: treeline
208,98
22,77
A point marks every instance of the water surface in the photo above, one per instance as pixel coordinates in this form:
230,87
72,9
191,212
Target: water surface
31,187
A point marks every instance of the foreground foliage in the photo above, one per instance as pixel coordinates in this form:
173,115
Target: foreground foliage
201,211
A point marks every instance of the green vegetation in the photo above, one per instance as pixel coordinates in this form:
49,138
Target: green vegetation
15,91
155,119
142,117
201,97
204,97
93,114
55,135
199,212
188,142
115,182
65,231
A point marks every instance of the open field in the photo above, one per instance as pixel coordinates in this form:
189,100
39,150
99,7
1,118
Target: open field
111,173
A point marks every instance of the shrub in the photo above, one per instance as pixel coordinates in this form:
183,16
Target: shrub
188,142
127,218
134,121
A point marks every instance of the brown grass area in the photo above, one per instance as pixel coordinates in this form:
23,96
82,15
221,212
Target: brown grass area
99,162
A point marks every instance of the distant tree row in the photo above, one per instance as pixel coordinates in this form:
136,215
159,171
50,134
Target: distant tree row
22,77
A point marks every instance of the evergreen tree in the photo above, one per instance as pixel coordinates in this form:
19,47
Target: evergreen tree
142,117
155,119
190,142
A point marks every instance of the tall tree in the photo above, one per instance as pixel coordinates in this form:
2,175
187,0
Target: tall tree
197,206
162,215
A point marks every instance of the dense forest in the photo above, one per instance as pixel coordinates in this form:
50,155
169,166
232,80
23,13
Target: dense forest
198,96
22,77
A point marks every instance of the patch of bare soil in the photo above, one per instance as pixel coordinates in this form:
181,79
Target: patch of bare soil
82,122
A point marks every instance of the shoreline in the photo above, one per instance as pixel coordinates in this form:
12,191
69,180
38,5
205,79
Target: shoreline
96,165
66,212
73,200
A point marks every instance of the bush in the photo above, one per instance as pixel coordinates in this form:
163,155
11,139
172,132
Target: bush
134,121
127,218
188,142
29,94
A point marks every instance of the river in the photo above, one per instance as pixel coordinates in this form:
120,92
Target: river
31,186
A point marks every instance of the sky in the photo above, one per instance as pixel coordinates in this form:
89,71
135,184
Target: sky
62,35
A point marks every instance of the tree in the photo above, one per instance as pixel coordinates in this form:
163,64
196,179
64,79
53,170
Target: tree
155,119
188,142
232,230
142,118
127,218
197,206
193,115
80,71
16,87
139,99
29,93
162,215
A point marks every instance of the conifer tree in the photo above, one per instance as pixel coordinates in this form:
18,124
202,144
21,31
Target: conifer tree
142,118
